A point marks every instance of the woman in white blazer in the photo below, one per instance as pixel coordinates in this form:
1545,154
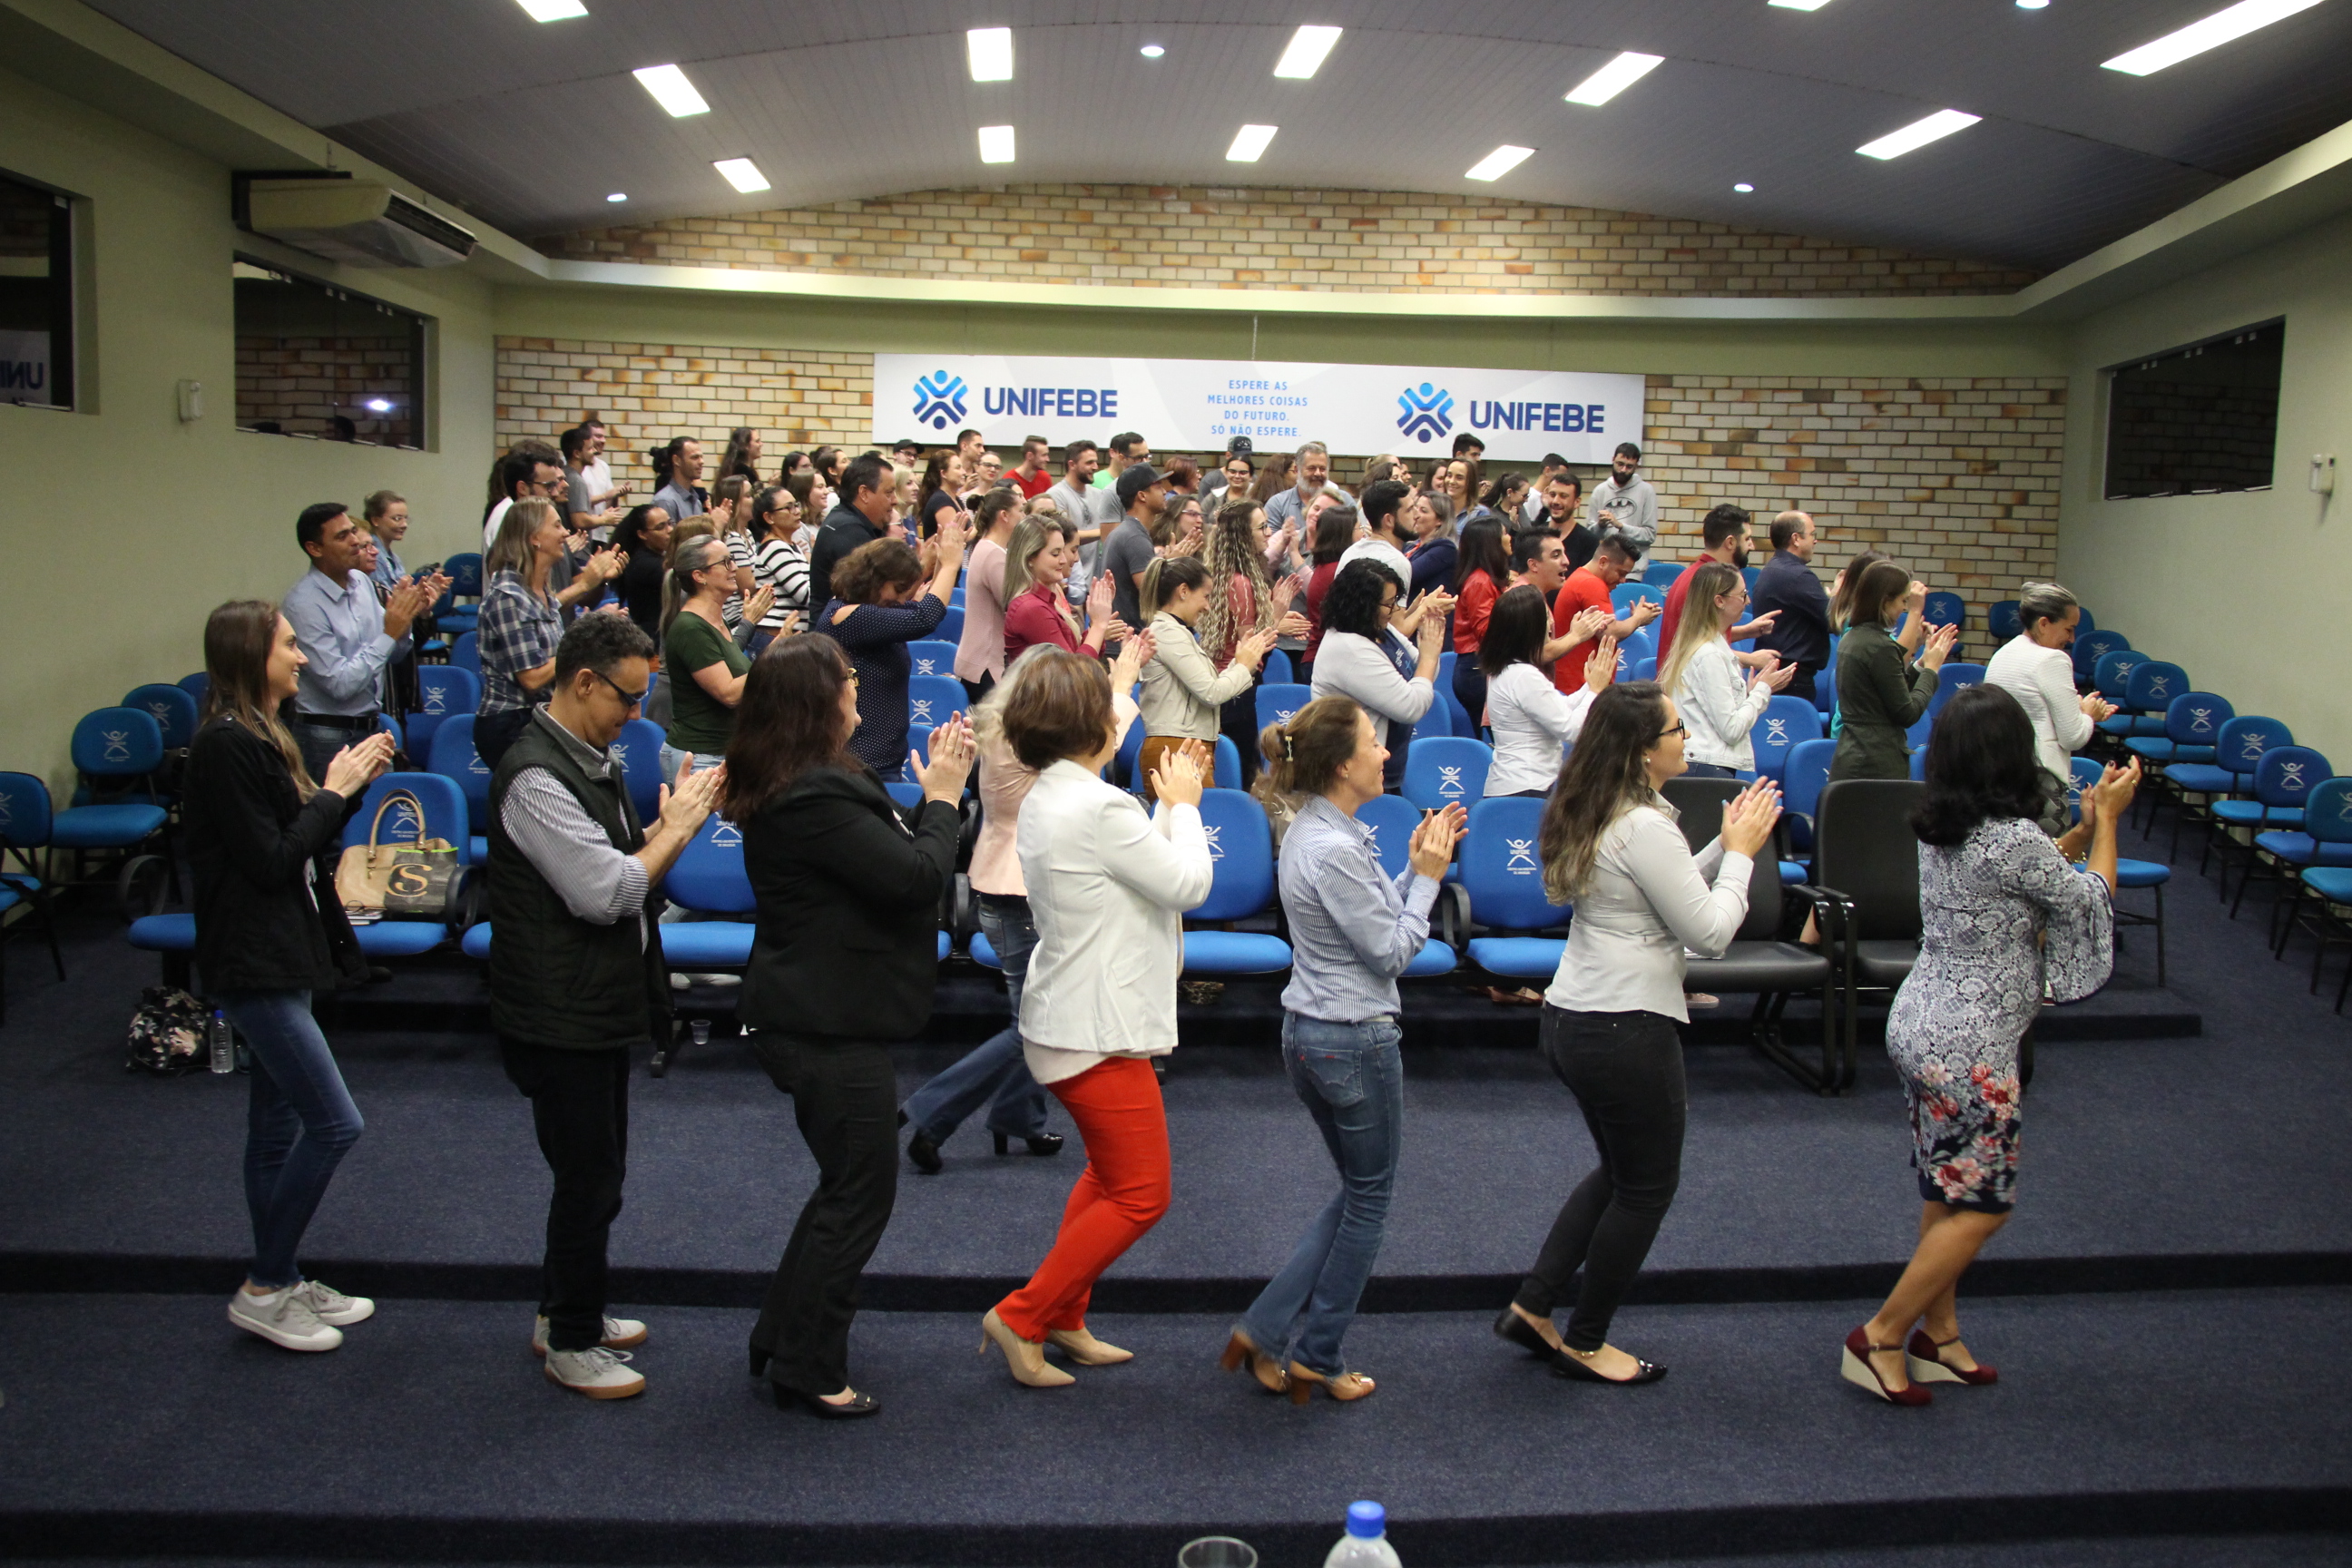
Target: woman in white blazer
1184,692
1108,887
1719,701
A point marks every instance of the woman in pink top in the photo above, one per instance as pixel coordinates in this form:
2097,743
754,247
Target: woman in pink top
980,652
996,1074
1037,562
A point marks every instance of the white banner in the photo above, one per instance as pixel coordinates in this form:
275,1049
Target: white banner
25,367
1198,405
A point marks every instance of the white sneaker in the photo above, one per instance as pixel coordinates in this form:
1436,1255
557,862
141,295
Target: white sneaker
283,1318
620,1334
596,1372
331,1306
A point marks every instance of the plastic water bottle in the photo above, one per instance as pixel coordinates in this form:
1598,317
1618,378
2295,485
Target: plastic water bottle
1366,1544
221,1043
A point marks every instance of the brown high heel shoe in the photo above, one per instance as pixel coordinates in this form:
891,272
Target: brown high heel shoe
1081,1346
1347,1386
1241,1348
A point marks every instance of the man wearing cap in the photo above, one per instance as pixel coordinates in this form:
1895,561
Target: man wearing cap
907,454
1142,490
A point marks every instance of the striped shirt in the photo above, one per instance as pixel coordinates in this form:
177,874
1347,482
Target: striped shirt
597,882
784,568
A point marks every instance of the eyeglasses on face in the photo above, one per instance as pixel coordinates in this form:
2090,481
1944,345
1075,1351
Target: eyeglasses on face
628,698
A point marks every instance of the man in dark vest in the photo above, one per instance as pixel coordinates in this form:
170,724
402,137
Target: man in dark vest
576,969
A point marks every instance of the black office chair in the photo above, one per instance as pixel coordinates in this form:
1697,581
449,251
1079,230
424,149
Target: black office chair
1866,859
1758,962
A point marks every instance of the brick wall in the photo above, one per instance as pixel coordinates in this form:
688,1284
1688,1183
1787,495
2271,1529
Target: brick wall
1338,241
301,383
1956,477
647,393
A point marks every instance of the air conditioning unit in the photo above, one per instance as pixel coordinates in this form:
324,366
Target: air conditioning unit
351,221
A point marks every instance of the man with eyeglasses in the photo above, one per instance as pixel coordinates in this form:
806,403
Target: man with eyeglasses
576,972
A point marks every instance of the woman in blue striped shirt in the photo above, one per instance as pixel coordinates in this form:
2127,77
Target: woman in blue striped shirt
1353,929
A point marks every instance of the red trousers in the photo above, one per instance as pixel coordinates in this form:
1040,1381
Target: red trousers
1121,1193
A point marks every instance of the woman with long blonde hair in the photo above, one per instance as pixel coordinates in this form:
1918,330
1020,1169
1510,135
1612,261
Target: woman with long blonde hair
267,940
1244,597
1719,699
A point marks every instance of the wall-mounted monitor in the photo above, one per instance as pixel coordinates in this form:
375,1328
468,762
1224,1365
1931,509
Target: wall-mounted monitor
2196,420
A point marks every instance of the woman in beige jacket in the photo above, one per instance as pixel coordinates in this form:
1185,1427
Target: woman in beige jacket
1182,687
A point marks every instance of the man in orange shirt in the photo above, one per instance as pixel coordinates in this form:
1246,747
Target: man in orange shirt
1588,588
1725,535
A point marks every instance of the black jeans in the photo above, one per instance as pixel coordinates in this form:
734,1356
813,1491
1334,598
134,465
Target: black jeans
1237,721
845,1099
1626,1072
580,1105
1470,689
494,733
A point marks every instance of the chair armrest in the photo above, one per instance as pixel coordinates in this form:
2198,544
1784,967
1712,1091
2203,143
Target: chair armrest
1453,915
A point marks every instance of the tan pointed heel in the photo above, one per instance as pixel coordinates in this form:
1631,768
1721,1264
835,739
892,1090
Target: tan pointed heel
1081,1346
1346,1387
1242,1351
1025,1357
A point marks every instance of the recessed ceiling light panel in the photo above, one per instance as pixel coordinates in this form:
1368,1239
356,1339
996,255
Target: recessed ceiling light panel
1152,52
990,52
1919,133
1305,56
2033,4
553,10
1499,162
743,173
672,90
2215,30
1744,188
996,143
1798,5
1250,143
618,196
1614,78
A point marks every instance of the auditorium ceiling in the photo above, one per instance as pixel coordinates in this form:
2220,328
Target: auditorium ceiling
534,126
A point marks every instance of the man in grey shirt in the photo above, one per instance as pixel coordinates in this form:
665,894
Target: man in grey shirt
575,974
1091,511
1625,500
1314,475
1142,490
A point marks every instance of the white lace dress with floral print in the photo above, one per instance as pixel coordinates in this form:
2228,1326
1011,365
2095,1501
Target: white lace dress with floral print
1956,1021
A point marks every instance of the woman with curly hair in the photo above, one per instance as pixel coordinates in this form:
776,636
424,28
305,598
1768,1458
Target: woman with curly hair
2007,921
1243,597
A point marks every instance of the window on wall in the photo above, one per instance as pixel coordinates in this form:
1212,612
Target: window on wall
322,361
2196,420
36,309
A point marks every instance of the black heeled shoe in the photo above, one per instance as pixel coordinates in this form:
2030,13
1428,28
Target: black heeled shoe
923,1154
1041,1146
760,1359
1522,1333
1571,1365
863,1405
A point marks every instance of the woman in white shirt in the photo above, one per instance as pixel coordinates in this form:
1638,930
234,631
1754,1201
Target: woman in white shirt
1108,889
1611,846
1184,692
1352,662
2036,668
1716,698
1533,720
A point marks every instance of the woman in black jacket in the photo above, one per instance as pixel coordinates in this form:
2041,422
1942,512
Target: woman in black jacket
844,962
266,938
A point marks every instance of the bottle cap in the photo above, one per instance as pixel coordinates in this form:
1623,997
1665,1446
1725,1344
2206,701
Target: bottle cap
1367,1518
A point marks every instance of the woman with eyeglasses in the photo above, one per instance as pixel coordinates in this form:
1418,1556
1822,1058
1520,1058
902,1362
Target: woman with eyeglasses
781,565
1610,845
1353,661
703,666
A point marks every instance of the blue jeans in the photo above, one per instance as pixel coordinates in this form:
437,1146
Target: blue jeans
672,759
995,1071
1351,1080
299,1125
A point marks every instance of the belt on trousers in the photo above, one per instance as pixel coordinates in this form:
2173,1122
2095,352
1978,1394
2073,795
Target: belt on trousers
364,722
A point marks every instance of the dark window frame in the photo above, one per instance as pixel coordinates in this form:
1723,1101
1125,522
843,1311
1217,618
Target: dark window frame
420,347
63,313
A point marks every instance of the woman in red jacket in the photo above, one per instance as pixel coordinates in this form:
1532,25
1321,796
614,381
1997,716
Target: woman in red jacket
1037,562
1486,574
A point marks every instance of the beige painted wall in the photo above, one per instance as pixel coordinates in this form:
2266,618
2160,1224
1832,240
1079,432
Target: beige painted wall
120,526
2250,593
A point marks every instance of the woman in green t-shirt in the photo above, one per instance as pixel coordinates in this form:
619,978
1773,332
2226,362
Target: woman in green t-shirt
699,657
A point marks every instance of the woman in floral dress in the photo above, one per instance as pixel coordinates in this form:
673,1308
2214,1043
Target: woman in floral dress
2005,913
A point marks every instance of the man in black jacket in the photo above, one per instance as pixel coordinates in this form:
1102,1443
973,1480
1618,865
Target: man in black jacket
1800,633
861,516
576,970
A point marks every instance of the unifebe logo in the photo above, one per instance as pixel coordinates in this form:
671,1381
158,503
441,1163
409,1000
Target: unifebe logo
1428,412
941,399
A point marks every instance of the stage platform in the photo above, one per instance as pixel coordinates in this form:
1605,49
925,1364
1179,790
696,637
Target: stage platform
2166,1309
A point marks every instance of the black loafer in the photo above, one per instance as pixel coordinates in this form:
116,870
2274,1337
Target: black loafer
924,1154
863,1405
1570,1366
1519,1331
1041,1146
